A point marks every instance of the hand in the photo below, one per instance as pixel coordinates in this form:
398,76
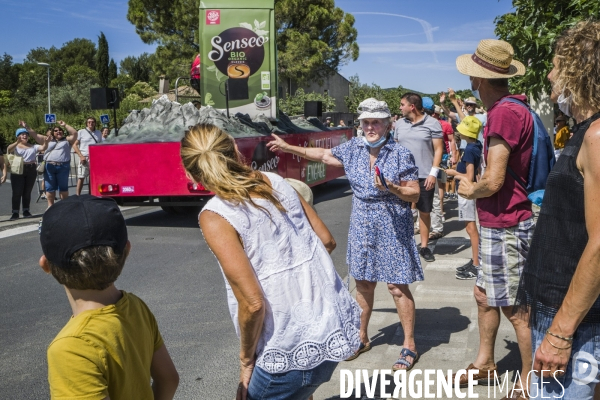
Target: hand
23,124
465,189
48,138
451,94
430,182
3,179
62,123
460,103
245,375
277,144
451,172
380,186
442,97
550,359
83,160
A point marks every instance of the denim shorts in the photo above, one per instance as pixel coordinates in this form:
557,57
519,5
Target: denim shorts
56,176
291,385
582,374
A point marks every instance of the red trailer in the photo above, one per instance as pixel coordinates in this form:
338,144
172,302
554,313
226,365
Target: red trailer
151,174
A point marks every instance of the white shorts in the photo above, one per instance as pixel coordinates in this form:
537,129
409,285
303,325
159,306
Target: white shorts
466,210
83,171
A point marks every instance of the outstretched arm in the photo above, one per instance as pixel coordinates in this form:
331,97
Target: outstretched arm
450,114
39,139
72,132
310,153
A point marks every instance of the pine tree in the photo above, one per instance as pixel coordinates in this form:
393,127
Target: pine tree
112,70
102,60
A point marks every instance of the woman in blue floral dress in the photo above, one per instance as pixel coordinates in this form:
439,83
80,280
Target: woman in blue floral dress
381,247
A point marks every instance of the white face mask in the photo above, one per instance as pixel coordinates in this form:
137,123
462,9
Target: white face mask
564,105
476,91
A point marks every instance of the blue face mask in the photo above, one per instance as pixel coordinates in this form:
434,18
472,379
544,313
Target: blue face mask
378,143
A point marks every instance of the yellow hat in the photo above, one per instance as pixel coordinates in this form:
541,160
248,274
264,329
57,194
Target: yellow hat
469,127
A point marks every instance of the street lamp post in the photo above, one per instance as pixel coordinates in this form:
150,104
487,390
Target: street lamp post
47,66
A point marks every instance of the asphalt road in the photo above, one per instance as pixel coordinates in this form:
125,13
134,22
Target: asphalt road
171,269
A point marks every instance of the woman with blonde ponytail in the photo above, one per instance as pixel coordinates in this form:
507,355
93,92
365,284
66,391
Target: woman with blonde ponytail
294,317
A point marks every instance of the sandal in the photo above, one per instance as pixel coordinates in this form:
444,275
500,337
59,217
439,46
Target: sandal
363,348
403,361
435,235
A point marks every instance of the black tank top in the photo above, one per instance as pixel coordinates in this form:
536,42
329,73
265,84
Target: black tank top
560,236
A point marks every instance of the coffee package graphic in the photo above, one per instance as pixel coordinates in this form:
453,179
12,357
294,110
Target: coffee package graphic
237,44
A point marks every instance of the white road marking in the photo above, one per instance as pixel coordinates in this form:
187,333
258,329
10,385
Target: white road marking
18,231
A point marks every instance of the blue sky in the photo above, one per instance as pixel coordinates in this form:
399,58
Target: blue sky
414,45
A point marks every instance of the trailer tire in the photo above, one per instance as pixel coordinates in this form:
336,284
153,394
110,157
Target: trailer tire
168,209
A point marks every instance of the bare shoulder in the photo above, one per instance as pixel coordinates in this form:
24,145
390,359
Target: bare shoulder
592,135
211,220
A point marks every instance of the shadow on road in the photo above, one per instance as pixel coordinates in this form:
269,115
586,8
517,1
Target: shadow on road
335,189
163,219
433,327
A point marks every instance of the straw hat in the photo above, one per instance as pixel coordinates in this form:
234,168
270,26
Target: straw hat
469,127
470,100
492,59
439,110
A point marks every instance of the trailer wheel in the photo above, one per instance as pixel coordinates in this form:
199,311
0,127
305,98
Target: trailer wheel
168,209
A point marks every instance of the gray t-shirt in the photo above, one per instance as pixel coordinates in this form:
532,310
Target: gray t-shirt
58,151
85,139
418,138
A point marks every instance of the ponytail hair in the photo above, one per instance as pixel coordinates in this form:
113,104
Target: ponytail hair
209,156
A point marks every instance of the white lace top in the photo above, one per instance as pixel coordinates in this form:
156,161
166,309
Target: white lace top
310,315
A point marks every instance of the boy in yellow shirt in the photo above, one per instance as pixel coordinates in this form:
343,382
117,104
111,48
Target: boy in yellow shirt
111,347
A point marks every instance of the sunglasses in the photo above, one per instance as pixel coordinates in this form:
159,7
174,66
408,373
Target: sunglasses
58,131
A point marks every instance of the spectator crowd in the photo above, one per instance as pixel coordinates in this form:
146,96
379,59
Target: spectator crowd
294,317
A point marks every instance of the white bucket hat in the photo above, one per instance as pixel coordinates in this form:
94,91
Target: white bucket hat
373,108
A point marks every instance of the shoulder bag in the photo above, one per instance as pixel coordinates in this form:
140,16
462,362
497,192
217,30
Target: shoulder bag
16,164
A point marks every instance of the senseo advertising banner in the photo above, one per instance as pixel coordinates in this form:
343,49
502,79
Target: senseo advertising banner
237,45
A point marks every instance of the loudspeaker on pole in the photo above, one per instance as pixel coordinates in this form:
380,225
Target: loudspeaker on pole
104,98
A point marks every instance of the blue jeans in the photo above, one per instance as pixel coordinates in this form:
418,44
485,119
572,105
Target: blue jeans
56,176
291,385
582,373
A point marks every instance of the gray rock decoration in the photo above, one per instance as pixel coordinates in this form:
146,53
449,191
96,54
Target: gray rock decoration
167,121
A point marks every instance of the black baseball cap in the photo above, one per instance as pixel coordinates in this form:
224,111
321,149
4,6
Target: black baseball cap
78,222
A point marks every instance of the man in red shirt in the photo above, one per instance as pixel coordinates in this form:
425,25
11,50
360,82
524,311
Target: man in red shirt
504,211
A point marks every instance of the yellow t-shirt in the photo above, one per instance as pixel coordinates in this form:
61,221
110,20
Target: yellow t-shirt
561,138
105,352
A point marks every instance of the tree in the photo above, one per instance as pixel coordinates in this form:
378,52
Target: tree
80,73
532,30
123,82
138,68
9,73
78,52
173,25
294,105
112,70
314,39
102,60
142,89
